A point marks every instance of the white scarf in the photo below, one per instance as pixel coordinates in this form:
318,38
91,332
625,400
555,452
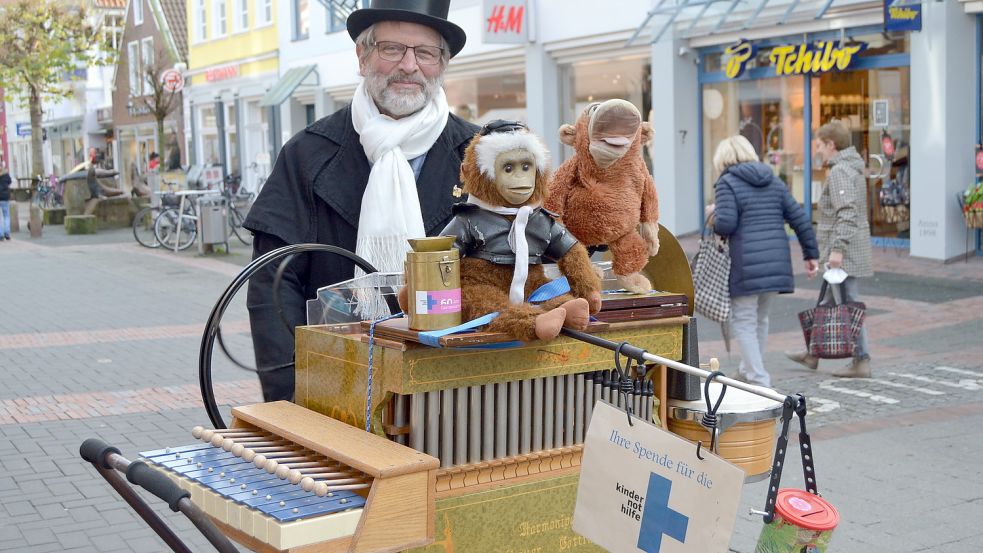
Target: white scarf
390,205
518,243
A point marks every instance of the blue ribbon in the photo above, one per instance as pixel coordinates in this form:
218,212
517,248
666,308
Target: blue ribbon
545,292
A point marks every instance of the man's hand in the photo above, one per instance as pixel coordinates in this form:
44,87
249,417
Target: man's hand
812,268
835,259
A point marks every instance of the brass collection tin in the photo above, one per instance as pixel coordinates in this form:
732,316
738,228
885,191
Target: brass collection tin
433,279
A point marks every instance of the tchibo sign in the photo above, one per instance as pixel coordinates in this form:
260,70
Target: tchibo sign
505,21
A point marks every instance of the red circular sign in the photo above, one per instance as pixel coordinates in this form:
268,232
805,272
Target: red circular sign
172,80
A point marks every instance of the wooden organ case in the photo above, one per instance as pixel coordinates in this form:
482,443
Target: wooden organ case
506,424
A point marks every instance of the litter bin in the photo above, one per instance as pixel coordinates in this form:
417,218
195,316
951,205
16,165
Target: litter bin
213,220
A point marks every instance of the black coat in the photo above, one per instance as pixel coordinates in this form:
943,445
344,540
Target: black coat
5,187
314,194
753,206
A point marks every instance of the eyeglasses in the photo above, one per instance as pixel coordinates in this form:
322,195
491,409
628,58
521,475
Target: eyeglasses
394,51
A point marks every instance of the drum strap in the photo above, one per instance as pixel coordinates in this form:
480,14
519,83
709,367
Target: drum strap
796,404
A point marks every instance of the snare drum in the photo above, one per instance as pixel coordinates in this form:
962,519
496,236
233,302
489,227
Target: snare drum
746,424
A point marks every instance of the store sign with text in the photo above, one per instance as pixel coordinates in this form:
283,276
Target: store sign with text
505,21
222,73
902,15
814,58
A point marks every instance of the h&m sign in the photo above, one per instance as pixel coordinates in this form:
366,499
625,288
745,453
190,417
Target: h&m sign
794,59
505,21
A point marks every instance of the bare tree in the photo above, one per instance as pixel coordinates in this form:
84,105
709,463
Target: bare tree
161,102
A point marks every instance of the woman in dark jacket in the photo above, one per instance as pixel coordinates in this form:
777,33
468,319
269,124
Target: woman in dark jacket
4,203
752,207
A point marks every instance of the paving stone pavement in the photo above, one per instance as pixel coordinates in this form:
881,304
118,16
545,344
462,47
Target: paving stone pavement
99,337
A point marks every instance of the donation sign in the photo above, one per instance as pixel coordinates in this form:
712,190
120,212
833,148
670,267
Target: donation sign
643,489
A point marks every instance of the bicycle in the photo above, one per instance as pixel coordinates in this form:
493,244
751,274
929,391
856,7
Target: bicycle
174,230
143,222
239,202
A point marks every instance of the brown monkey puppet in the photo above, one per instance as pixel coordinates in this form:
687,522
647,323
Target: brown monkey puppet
604,194
504,236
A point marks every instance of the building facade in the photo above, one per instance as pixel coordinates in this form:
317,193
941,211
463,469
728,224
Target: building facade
233,60
70,126
904,94
154,39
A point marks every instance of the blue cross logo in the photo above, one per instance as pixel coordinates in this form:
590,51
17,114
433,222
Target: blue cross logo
658,518
431,301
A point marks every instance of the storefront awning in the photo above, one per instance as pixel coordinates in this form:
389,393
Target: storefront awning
707,17
288,83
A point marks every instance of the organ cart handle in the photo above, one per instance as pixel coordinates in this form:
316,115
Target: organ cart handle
107,460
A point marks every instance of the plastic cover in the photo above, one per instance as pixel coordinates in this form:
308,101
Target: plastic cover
362,298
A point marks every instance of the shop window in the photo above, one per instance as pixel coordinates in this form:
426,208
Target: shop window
595,81
483,99
875,105
207,125
301,12
339,10
770,114
232,138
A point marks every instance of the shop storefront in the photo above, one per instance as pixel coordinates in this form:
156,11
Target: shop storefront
777,92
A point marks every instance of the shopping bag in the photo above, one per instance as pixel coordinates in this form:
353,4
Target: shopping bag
711,276
644,489
831,330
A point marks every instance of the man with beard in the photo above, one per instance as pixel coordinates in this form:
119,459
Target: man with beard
365,178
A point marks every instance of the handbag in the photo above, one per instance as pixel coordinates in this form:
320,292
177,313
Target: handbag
831,330
711,276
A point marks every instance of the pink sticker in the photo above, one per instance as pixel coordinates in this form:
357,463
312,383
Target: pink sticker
438,302
800,504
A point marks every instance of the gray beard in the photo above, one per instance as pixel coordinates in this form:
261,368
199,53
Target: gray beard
399,104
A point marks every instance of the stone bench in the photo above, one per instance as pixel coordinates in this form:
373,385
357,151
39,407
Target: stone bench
53,216
80,224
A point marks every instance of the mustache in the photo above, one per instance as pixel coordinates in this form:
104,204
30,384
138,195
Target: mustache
400,76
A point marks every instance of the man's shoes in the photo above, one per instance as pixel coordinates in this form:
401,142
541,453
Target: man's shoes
803,358
739,377
6,237
858,368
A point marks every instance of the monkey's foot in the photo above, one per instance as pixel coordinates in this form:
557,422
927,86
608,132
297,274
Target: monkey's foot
548,324
635,283
578,314
403,298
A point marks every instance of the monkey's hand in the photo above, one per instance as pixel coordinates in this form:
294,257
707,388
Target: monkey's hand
650,233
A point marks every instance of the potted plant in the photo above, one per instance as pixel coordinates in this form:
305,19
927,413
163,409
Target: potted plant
972,204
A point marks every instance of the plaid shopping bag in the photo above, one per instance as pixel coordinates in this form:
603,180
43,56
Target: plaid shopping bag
831,330
711,276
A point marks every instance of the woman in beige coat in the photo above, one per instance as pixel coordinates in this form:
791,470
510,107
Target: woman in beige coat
843,233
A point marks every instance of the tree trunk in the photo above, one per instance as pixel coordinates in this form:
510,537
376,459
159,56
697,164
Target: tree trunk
160,140
37,152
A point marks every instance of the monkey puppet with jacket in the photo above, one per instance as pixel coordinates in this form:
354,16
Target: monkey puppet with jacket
604,194
504,236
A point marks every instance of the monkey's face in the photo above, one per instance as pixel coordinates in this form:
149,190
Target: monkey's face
612,128
515,175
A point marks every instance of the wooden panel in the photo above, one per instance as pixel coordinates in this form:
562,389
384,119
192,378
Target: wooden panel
371,454
398,514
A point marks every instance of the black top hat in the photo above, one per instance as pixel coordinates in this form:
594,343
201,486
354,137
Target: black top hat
432,13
